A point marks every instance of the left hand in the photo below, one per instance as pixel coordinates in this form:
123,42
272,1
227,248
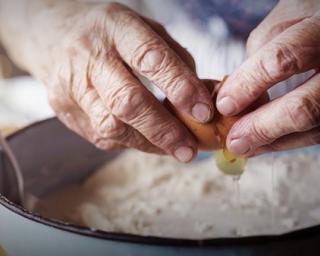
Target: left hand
287,42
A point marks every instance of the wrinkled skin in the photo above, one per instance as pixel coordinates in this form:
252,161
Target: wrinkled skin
88,55
88,61
287,42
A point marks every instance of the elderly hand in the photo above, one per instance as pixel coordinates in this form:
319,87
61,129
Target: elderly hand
286,43
88,57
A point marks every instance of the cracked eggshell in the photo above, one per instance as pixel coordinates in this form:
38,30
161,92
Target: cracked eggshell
211,135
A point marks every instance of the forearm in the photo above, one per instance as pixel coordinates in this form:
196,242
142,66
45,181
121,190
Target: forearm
25,25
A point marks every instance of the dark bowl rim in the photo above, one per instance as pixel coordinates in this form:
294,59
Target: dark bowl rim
151,240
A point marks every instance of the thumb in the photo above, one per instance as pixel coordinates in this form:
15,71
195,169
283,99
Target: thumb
283,16
264,33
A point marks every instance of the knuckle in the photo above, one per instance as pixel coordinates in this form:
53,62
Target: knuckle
251,90
302,113
286,61
249,87
181,91
159,63
265,71
279,62
261,134
128,102
151,57
111,128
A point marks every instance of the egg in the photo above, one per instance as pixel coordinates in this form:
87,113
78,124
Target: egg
211,135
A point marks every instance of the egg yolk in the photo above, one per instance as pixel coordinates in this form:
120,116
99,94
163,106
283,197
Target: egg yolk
229,163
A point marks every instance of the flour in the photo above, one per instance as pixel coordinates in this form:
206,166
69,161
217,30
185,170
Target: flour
150,195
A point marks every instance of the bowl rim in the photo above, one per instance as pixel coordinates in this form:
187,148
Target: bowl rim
302,233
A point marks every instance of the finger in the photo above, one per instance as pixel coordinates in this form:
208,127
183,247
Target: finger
264,34
173,44
148,54
297,111
276,22
283,16
128,100
111,131
292,141
294,51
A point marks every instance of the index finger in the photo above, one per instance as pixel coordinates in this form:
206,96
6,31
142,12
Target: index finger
297,111
294,51
148,54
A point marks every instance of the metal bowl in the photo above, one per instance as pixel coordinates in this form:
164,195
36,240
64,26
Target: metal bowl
51,157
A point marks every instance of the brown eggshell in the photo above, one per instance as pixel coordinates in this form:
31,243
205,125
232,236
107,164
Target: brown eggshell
212,135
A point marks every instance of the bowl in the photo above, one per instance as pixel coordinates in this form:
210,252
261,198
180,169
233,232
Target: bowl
46,151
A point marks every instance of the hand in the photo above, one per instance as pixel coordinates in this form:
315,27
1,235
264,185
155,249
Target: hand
88,61
286,43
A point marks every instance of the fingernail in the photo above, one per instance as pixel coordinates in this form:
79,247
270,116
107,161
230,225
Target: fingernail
201,112
226,106
184,154
239,146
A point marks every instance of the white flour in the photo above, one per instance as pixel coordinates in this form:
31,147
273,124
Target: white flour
152,195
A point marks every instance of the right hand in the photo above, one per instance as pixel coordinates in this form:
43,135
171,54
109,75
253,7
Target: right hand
285,44
88,62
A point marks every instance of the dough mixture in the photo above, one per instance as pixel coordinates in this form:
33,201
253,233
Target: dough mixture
151,195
